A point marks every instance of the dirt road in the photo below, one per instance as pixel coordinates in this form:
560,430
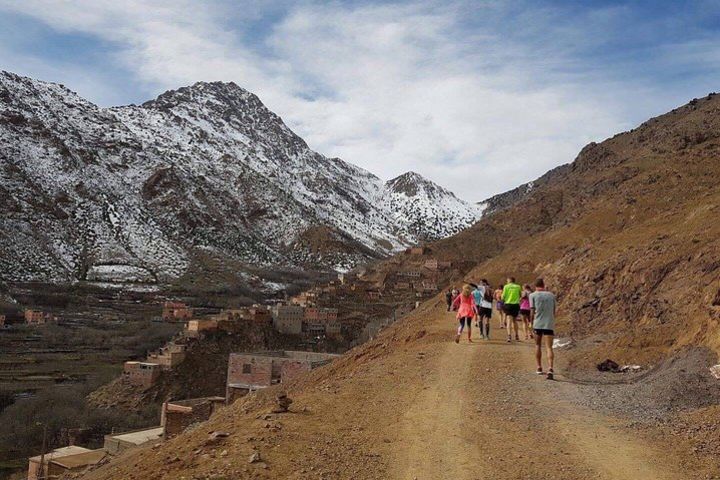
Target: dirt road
412,404
484,413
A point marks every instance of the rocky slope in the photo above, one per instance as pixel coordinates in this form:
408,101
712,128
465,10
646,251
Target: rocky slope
626,237
147,193
505,200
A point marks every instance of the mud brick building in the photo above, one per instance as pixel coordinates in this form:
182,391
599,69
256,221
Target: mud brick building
321,321
169,356
116,444
288,319
177,415
256,313
194,328
37,317
410,274
314,314
374,294
431,264
61,461
176,312
305,299
417,251
142,374
248,372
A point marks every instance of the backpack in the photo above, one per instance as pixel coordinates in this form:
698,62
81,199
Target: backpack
488,294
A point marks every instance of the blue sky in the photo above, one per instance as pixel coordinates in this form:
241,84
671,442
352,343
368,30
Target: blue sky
479,96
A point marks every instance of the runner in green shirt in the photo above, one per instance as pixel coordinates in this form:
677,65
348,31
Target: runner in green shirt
511,303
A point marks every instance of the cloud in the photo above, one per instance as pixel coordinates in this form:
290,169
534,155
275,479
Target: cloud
478,96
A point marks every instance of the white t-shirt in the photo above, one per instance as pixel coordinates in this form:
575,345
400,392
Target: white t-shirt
483,303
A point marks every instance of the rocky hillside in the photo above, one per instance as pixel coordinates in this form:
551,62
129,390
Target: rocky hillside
504,200
625,235
148,193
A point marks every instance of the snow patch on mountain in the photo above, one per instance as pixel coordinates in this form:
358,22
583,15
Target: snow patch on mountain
146,192
428,211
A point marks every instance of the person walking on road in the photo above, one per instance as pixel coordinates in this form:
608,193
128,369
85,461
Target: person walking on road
542,308
464,303
525,311
449,299
483,301
499,305
511,304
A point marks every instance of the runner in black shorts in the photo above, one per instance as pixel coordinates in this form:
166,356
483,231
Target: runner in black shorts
542,306
511,300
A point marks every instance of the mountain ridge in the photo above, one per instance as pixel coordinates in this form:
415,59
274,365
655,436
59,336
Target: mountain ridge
203,169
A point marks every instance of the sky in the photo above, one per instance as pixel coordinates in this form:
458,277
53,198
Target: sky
478,96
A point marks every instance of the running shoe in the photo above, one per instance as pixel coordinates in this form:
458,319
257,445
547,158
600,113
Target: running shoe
550,375
539,371
457,338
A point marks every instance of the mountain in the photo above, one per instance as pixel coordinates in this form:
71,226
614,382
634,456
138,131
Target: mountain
203,173
505,200
429,211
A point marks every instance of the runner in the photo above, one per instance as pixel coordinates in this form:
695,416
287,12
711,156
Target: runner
499,305
525,311
542,307
477,296
511,304
455,293
449,299
464,303
484,308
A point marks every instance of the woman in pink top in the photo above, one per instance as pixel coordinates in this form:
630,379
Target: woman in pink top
525,311
465,306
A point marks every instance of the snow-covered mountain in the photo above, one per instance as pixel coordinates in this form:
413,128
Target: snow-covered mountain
151,192
429,212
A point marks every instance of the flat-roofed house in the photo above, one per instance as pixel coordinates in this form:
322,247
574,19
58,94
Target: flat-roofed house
169,356
37,317
177,415
431,264
248,372
176,311
62,460
117,443
194,328
143,374
288,319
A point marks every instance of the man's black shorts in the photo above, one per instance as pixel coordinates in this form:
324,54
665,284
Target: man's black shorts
512,309
542,331
484,312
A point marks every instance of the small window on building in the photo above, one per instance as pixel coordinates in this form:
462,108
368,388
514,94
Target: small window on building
247,368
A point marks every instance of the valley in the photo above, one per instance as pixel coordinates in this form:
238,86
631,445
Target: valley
355,266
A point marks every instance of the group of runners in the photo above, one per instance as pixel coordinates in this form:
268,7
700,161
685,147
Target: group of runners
527,308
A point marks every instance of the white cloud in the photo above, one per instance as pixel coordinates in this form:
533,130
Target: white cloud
388,87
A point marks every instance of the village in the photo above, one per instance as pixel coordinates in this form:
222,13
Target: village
349,310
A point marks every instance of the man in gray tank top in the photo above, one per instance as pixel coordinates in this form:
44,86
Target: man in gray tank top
542,314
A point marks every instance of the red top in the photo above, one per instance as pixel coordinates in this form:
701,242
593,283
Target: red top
465,306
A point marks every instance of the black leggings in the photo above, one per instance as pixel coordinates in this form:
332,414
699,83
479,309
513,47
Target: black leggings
462,321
